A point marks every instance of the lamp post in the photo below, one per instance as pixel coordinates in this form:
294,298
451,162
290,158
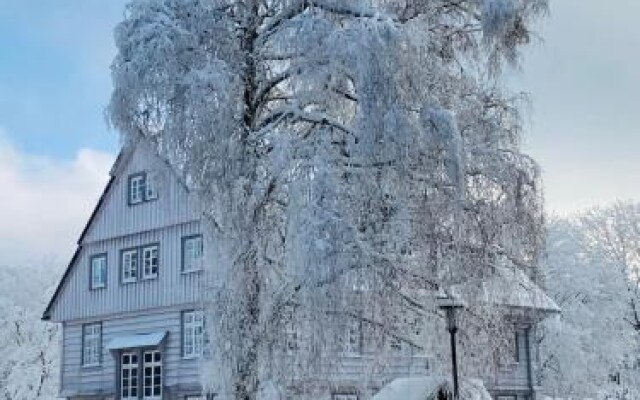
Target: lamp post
451,305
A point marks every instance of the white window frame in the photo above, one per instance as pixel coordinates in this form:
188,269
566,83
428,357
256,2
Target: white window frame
98,271
91,344
352,343
130,260
131,381
150,192
150,256
192,333
192,254
155,377
136,189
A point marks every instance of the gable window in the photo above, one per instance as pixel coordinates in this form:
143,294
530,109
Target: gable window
150,261
129,265
192,333
141,188
137,188
192,253
150,187
91,344
98,266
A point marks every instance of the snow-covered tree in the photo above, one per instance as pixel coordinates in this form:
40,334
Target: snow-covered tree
588,350
28,346
351,158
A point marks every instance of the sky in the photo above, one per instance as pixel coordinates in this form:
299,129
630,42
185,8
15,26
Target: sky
56,149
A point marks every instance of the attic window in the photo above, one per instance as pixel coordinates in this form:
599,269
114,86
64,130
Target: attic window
141,188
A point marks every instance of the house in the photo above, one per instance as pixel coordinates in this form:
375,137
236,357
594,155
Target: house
129,301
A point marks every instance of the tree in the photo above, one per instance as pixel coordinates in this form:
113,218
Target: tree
351,157
28,346
592,341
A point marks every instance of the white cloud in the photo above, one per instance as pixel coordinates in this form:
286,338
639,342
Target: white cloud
45,202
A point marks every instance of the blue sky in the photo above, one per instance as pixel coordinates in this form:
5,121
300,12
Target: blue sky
55,148
54,77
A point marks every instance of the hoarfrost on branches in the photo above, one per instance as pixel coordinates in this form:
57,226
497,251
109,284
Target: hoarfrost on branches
589,350
28,346
351,158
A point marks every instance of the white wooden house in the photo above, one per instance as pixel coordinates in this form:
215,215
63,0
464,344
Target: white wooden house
128,301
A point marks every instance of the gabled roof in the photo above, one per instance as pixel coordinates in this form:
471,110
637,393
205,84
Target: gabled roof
121,160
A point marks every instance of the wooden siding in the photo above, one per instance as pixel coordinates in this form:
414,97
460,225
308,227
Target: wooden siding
117,218
171,287
78,379
515,377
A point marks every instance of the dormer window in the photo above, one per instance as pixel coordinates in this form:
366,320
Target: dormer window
141,188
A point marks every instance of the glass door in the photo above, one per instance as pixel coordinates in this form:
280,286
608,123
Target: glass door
152,375
129,376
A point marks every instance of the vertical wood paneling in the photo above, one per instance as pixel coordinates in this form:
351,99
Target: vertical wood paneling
118,218
171,287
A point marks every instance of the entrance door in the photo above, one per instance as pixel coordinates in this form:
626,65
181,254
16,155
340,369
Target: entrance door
152,375
129,376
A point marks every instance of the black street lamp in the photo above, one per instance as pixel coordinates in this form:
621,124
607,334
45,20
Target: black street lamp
451,306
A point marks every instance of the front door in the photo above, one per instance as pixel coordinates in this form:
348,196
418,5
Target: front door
152,375
129,375
141,375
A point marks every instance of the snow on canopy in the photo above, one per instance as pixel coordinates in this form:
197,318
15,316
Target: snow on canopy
134,341
509,287
429,387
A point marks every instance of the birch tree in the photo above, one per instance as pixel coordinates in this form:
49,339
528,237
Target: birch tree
351,158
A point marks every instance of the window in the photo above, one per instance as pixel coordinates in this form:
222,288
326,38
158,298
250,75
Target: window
91,344
150,185
192,253
136,188
291,337
352,338
152,374
141,188
129,376
98,266
129,265
192,334
150,261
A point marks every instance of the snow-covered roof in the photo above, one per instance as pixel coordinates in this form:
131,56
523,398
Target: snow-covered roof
509,287
135,341
427,388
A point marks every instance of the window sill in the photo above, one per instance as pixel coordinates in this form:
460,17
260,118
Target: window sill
128,282
187,358
91,366
149,278
96,288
